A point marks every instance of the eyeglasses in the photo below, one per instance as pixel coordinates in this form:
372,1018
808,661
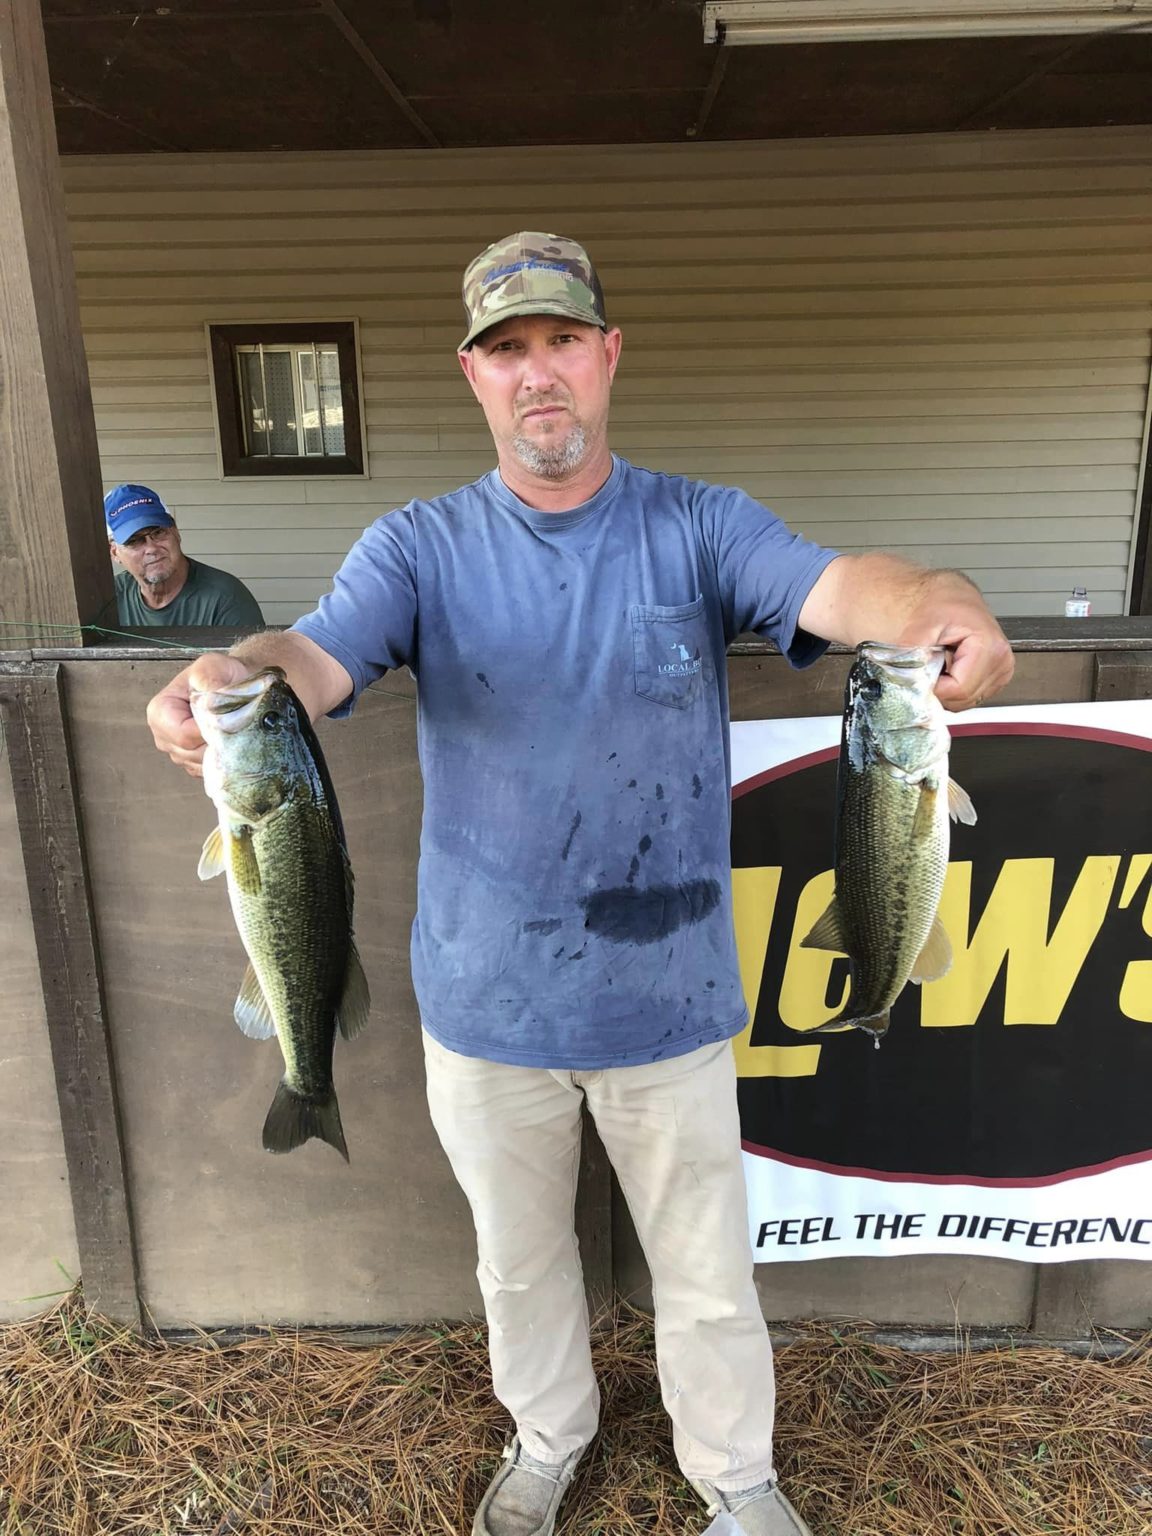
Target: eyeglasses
148,536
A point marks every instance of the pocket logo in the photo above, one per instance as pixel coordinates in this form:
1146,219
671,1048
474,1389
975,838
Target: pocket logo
685,665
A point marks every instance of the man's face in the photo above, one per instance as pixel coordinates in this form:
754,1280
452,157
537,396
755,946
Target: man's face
153,555
544,383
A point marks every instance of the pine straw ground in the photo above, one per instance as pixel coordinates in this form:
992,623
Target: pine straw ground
102,1434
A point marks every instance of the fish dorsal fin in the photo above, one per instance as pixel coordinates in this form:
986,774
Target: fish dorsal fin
252,1012
245,869
312,743
935,959
352,1014
212,856
960,808
826,932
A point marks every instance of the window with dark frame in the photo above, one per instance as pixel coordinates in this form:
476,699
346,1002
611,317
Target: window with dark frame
287,398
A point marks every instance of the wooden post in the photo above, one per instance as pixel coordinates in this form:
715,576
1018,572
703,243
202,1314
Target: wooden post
54,565
52,841
1123,675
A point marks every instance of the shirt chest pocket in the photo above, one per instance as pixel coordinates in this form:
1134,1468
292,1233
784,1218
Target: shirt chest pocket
670,647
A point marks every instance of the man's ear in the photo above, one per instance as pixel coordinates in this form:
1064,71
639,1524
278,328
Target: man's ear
468,363
613,341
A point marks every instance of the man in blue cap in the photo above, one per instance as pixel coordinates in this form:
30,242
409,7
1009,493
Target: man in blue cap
159,584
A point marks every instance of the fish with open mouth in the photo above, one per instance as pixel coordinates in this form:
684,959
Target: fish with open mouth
281,845
894,802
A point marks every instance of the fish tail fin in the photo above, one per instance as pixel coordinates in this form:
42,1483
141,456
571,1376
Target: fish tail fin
294,1119
874,1024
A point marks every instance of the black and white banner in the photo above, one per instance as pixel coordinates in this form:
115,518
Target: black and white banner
1008,1112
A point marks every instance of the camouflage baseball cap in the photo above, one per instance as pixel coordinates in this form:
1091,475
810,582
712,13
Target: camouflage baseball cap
531,274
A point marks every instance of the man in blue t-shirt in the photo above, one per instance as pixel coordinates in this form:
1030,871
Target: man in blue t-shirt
566,618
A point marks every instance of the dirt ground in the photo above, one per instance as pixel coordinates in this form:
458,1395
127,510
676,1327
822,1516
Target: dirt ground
105,1434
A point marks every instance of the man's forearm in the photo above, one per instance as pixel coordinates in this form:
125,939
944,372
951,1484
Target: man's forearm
884,597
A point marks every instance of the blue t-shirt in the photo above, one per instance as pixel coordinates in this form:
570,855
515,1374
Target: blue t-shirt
573,902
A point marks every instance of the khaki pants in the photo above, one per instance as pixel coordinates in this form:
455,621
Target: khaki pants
512,1135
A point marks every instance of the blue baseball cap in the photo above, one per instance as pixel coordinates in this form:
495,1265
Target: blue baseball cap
129,508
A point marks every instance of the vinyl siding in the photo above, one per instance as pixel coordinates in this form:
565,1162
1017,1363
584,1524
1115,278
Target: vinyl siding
937,345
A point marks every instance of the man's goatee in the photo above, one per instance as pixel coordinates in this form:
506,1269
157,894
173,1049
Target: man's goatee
551,463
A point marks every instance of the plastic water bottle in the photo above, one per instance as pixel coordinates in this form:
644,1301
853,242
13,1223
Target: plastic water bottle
1078,606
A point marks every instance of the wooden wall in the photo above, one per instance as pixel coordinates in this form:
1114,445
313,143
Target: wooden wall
37,1238
936,344
226,1234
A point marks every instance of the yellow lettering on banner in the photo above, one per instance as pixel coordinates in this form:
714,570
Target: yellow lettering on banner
754,893
1136,988
1138,867
806,974
1015,923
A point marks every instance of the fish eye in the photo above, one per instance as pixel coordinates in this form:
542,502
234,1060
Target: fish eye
270,721
871,689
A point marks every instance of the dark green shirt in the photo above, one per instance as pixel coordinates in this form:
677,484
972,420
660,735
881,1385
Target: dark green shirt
208,596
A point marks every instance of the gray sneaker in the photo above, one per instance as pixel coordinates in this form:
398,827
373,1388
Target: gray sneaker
759,1511
523,1497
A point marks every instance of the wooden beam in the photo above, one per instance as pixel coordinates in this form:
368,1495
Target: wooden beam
985,114
69,98
54,566
52,842
1124,675
166,16
711,91
338,19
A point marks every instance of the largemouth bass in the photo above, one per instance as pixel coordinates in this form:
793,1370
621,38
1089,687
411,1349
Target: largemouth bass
894,800
280,842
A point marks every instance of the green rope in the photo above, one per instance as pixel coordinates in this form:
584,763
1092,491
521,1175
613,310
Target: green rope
180,645
56,632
